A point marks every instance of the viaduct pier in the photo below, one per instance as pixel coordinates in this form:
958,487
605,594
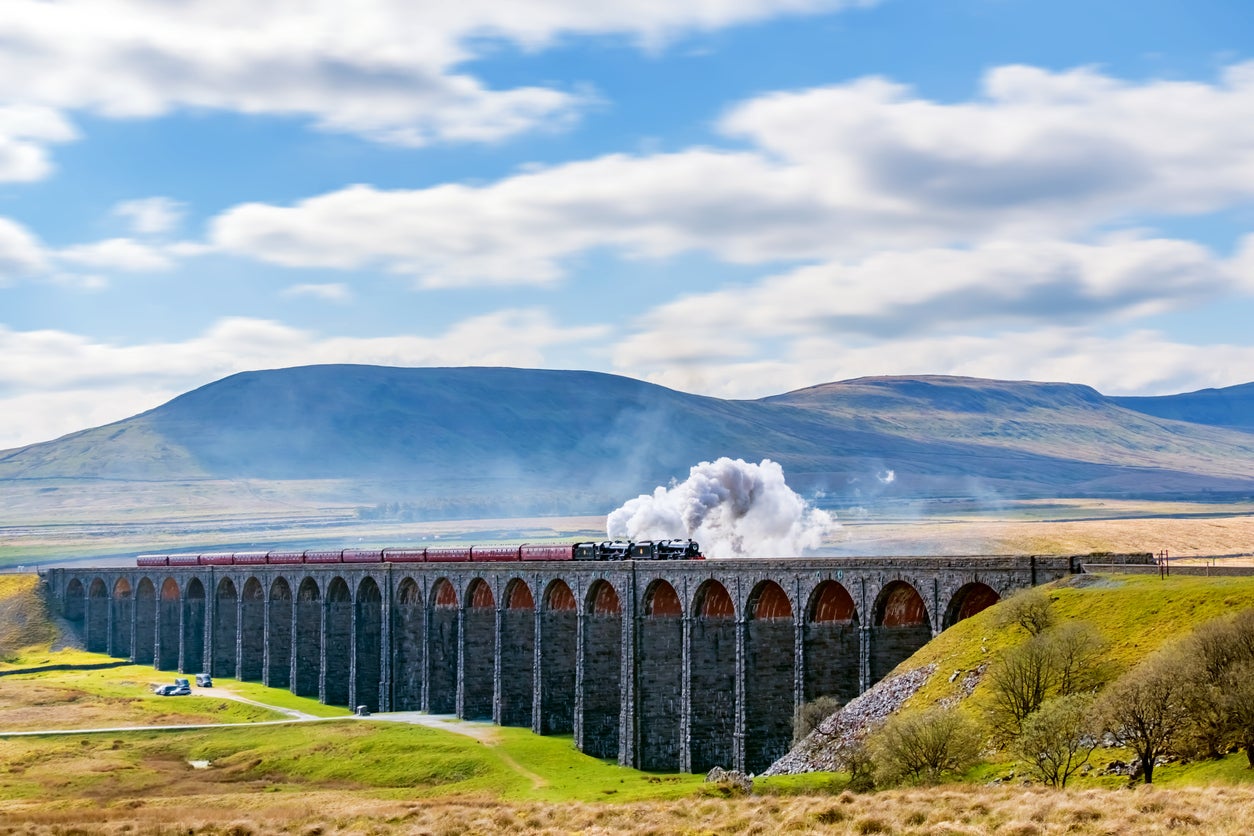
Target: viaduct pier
663,665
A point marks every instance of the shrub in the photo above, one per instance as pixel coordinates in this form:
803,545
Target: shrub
925,747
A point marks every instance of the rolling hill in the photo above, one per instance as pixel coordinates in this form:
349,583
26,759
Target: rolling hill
491,440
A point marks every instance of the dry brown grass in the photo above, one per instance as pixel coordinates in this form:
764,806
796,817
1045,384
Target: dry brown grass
1014,811
1181,536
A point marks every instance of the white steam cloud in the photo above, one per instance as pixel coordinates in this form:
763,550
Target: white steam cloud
732,508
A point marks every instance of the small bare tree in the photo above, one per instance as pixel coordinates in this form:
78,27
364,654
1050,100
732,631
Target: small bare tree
809,715
1059,738
1018,683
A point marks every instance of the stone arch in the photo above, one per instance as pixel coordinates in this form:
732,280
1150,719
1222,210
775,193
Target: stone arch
169,625
478,651
830,644
408,636
338,644
442,643
121,619
97,627
145,622
73,605
225,629
602,670
194,607
971,598
900,626
712,670
558,628
252,631
770,663
280,625
660,678
518,653
367,644
307,645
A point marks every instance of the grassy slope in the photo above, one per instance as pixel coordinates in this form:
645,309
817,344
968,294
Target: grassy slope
1135,615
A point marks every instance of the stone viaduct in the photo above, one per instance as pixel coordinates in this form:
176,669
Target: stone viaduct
662,665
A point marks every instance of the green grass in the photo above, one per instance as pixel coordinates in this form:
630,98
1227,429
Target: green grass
1135,614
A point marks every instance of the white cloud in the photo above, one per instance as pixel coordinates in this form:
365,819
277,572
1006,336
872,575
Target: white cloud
151,215
124,254
327,292
25,130
833,173
929,291
54,382
20,252
386,69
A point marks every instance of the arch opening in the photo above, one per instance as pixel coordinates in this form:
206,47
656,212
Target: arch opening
598,734
712,702
338,649
367,645
900,628
971,599
830,644
478,652
558,636
443,639
280,625
307,639
410,640
770,662
518,648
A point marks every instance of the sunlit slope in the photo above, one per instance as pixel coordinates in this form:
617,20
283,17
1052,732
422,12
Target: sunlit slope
590,440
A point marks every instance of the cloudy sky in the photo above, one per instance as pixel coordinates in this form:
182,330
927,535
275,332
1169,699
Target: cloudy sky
728,197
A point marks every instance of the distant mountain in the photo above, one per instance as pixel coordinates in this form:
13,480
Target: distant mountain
496,440
1231,407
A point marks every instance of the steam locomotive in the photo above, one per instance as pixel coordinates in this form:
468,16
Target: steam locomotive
605,550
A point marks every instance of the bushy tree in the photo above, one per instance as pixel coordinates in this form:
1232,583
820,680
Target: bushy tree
1059,738
1029,609
1217,659
925,747
1144,710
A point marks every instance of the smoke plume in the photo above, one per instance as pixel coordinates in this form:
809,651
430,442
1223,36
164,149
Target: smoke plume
732,508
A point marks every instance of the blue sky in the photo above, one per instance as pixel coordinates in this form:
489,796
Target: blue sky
731,197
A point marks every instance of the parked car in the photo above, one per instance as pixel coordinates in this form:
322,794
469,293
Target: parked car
204,680
173,690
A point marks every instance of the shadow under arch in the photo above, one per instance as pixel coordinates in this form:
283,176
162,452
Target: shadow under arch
770,668
970,599
367,644
307,646
338,643
279,629
558,642
900,627
712,672
602,670
409,639
830,644
518,653
659,678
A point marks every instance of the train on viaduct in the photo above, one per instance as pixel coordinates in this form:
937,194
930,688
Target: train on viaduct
662,665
